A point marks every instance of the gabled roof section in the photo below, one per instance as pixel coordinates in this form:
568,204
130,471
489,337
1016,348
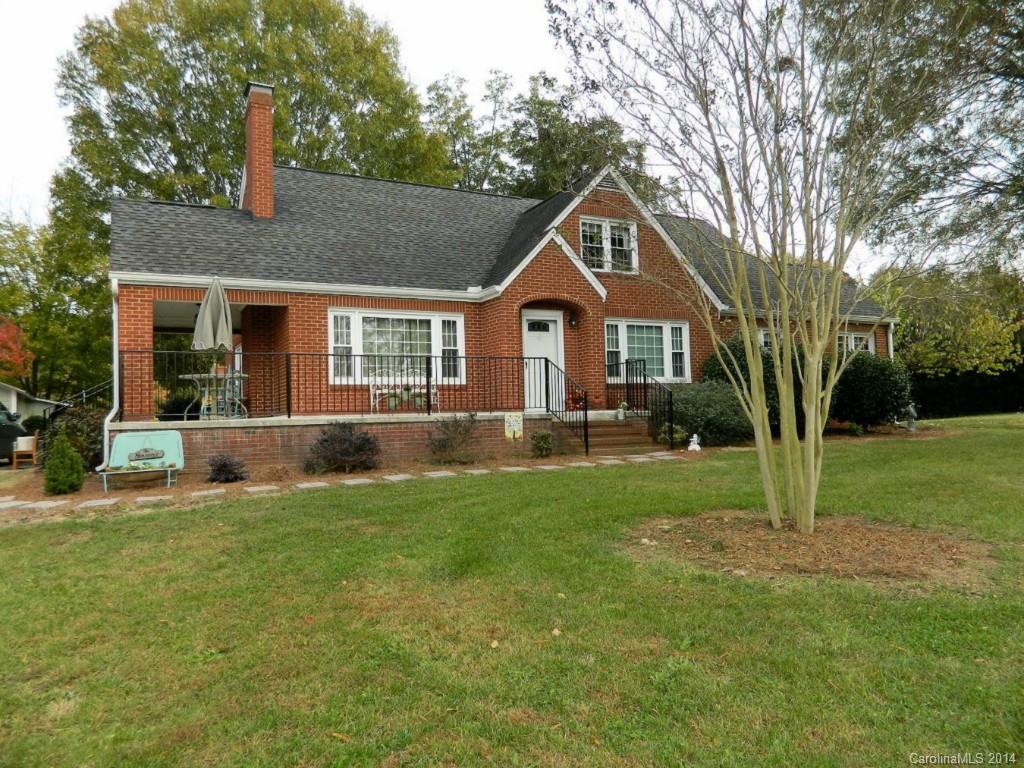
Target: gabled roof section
704,247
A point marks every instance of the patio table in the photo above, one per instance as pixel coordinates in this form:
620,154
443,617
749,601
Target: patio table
218,394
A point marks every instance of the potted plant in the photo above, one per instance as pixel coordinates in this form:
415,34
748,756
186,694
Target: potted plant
418,399
620,414
392,401
405,393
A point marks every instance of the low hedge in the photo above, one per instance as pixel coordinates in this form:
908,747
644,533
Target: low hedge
711,410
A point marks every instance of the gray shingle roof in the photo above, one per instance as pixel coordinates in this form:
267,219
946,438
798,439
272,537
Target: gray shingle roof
702,244
327,228
352,230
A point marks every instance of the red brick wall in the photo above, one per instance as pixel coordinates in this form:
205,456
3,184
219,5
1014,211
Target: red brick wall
400,443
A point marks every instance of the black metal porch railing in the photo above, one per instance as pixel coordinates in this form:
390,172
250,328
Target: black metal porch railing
644,396
98,396
185,385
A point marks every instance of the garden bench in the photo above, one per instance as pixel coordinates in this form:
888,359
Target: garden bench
140,452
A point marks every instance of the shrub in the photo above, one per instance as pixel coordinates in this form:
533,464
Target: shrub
32,423
454,441
872,390
711,410
173,408
542,444
63,471
713,371
83,427
226,469
340,448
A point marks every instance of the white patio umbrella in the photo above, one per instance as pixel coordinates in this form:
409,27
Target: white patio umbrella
213,323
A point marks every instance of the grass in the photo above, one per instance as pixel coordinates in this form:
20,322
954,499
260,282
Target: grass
354,626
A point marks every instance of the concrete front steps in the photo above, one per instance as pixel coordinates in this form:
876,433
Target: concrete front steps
609,437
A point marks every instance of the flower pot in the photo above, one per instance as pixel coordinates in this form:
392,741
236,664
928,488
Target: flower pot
405,395
620,415
392,402
418,400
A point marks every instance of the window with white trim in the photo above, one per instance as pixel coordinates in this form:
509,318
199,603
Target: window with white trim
664,346
764,338
848,342
369,343
609,246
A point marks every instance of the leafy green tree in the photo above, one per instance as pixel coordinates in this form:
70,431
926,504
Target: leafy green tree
57,295
958,321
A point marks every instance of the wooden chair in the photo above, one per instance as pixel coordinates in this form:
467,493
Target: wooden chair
26,451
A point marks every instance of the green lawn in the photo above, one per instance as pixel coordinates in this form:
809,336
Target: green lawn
354,626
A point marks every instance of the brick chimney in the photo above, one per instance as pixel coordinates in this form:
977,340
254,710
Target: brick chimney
258,178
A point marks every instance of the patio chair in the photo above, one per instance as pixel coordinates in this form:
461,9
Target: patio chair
26,451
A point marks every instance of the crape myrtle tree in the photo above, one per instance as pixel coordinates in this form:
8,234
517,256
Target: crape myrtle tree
771,125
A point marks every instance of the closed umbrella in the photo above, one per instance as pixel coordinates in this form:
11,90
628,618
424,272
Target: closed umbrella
213,323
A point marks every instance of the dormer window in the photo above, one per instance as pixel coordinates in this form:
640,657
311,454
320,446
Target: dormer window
609,246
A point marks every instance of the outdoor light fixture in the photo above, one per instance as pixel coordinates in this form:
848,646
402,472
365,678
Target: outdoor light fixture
573,320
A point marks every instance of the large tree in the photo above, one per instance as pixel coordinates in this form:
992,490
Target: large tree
774,131
531,144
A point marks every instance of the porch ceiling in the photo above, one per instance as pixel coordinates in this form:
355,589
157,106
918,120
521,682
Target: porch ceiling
181,315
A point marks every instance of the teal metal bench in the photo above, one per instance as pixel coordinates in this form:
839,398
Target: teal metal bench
137,452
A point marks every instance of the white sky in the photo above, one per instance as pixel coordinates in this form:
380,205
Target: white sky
465,37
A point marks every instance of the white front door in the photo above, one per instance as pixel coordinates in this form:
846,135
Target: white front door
542,338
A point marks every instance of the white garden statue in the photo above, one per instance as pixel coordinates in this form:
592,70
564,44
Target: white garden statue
694,443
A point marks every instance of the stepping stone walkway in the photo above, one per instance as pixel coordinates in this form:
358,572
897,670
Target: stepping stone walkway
357,481
397,478
640,459
440,473
6,498
207,494
667,457
45,504
610,461
310,486
477,472
98,503
11,504
550,466
514,469
150,500
581,464
261,489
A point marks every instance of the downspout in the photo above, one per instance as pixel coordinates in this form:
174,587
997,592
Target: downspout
115,375
888,339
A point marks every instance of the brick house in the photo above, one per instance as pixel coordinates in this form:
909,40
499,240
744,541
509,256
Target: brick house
394,304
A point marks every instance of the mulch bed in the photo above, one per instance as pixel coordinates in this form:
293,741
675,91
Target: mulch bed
744,544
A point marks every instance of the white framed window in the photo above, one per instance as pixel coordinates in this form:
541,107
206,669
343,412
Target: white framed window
366,343
663,345
764,338
848,342
607,245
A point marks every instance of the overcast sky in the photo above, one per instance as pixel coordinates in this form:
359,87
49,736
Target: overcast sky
466,37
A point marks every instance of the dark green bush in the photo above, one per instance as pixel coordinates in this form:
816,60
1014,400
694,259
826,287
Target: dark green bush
713,371
710,409
872,390
542,444
83,427
63,471
33,423
173,408
340,448
454,440
226,469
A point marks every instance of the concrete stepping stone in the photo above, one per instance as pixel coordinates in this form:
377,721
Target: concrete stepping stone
147,501
477,472
581,464
261,489
514,469
45,504
610,461
208,494
397,478
667,457
6,498
311,486
641,459
550,466
12,504
440,473
93,503
357,481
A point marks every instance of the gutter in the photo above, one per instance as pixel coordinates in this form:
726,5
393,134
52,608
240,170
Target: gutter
116,399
